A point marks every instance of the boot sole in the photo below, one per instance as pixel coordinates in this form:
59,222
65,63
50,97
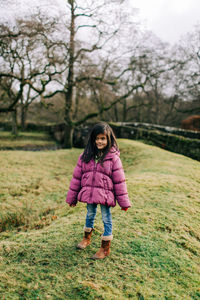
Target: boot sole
80,248
97,258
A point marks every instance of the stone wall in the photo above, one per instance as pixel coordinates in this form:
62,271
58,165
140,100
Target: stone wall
172,130
180,144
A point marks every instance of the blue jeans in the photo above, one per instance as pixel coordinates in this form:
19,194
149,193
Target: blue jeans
106,217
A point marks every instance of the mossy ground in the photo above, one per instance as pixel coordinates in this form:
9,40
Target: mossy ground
155,250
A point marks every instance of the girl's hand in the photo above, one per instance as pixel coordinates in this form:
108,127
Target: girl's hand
72,205
124,208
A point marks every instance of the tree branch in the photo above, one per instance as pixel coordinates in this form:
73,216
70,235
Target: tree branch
54,93
105,108
12,105
87,78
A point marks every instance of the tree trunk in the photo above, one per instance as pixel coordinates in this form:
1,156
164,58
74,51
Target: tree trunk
68,132
23,117
124,110
116,113
14,122
68,136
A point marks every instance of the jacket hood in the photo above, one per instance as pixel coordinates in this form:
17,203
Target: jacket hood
113,151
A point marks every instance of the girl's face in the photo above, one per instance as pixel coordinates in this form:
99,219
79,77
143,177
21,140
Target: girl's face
101,141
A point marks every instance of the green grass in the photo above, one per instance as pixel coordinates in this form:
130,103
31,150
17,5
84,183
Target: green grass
25,140
155,250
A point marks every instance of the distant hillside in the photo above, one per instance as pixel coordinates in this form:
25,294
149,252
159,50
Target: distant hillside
156,245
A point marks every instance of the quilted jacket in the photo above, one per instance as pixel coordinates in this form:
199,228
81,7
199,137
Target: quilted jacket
101,184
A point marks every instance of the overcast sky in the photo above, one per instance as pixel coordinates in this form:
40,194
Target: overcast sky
168,19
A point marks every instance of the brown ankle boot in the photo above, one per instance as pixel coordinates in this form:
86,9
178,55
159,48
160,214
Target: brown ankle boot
105,248
86,239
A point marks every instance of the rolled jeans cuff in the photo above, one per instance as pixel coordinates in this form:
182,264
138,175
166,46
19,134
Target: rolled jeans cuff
87,229
106,237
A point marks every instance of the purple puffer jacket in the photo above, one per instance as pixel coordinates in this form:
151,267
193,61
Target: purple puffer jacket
94,183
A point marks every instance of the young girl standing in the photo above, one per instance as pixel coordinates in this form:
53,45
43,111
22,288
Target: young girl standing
98,178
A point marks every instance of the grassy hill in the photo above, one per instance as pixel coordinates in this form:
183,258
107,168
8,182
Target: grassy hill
156,245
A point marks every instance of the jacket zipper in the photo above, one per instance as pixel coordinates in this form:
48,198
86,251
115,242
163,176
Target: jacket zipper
93,179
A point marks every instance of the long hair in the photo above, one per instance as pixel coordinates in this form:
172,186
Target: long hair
91,150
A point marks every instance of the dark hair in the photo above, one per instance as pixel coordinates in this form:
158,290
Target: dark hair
91,150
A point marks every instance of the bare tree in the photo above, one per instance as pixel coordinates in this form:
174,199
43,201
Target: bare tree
28,62
102,33
185,83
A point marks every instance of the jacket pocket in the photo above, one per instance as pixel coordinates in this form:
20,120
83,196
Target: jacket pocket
105,182
80,194
84,179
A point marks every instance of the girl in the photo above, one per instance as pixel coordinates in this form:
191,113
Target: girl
99,178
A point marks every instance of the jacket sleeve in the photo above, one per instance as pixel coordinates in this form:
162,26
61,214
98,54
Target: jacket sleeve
119,182
75,184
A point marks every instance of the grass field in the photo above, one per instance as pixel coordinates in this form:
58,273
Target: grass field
155,252
26,141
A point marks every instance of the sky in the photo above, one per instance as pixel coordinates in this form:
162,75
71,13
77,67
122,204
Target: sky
168,19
